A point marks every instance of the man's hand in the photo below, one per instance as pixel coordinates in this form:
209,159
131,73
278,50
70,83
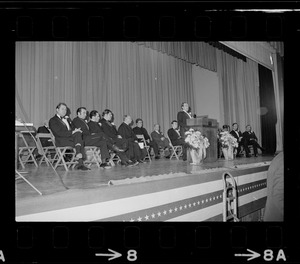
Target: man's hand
76,130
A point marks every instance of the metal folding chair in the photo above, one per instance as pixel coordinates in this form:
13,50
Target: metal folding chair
62,153
114,158
176,150
49,153
25,153
18,174
94,155
147,147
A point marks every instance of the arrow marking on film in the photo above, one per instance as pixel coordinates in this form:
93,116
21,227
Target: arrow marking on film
253,255
113,255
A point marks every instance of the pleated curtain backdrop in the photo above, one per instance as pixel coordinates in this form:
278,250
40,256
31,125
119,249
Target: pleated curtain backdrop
239,92
123,76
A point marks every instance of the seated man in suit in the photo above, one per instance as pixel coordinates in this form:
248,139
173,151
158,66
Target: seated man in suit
249,138
182,116
111,132
92,140
176,138
96,129
134,151
161,140
140,130
67,136
235,132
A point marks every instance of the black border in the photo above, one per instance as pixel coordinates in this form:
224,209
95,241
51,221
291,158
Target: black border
221,250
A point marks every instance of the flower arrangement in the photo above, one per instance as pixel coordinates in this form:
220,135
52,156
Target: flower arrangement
227,140
195,139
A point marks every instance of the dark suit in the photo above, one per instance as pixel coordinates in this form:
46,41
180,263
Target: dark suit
157,138
134,151
176,140
237,135
92,140
249,138
111,132
95,127
181,118
63,135
143,131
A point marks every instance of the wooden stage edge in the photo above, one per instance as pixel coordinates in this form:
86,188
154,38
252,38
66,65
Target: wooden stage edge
161,190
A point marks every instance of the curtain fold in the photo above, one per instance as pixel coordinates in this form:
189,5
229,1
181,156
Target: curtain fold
199,53
123,76
239,92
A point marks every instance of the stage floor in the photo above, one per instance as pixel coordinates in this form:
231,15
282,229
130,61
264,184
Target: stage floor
47,182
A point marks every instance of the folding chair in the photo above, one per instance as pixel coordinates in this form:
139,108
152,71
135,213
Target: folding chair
49,153
25,154
114,158
176,150
95,156
61,154
147,147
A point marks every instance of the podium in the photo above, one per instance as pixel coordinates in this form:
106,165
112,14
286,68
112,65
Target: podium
209,128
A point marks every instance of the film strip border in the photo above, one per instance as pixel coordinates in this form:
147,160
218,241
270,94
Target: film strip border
149,22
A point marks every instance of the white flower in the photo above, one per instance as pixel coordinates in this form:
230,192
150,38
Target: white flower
196,140
227,140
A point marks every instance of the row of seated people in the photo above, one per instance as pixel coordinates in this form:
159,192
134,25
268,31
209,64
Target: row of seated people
103,133
244,139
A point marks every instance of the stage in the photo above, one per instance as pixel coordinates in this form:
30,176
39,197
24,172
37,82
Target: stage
161,190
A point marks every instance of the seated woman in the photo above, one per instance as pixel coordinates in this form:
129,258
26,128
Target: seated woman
250,139
161,140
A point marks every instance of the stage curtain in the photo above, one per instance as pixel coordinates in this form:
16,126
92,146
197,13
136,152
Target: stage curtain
268,103
239,92
278,92
123,76
200,53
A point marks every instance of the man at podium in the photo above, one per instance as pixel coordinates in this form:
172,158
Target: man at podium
182,116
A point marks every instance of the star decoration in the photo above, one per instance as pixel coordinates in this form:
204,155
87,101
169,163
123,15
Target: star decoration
139,219
146,217
180,208
185,206
153,215
206,200
175,209
198,202
202,201
165,212
170,211
210,199
194,203
159,213
190,205
214,198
